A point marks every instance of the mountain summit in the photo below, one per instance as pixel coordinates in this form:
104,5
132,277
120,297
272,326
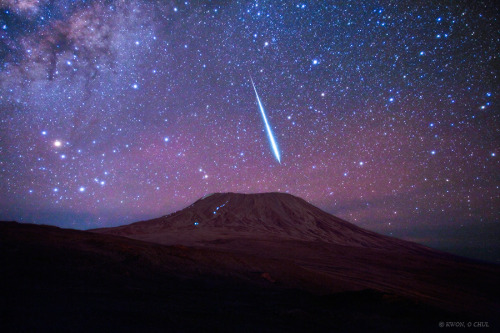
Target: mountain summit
257,216
267,259
289,242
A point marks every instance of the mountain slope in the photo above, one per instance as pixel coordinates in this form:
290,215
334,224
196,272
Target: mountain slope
285,228
263,216
60,280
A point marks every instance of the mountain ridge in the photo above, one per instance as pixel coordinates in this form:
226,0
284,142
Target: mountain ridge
273,241
262,215
285,228
60,279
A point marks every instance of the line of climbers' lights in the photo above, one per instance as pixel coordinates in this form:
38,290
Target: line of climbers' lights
215,212
216,209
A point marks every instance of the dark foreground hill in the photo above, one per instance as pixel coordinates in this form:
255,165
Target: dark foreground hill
59,280
299,270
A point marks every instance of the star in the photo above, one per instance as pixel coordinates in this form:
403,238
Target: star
159,111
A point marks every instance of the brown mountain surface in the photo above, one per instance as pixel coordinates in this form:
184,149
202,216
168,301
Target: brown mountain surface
63,280
285,228
270,216
266,262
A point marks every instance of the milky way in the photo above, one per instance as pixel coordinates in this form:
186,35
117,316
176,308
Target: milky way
386,111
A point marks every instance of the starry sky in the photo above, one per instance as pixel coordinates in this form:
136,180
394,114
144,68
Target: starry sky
385,112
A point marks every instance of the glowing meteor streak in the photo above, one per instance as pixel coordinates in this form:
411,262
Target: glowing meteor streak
268,128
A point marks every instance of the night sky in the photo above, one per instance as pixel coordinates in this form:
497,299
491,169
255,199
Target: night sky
385,113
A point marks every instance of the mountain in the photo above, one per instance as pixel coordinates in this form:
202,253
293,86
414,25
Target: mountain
267,262
265,216
339,255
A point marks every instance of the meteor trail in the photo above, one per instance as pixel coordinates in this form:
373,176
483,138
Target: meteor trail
268,128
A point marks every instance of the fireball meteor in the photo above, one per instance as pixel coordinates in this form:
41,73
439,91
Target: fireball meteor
274,146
